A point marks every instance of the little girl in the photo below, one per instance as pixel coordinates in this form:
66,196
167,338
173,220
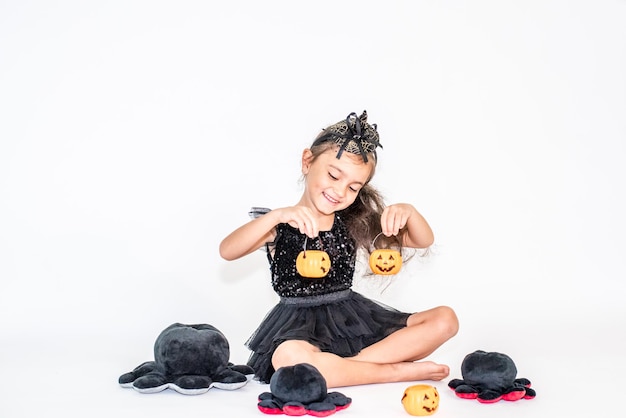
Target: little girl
350,339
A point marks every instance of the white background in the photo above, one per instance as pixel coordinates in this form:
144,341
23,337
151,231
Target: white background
134,135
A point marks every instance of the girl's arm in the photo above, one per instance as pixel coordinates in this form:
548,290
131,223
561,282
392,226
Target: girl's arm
403,215
249,237
253,235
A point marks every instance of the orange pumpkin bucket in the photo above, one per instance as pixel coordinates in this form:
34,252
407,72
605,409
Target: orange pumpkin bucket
420,400
313,264
385,261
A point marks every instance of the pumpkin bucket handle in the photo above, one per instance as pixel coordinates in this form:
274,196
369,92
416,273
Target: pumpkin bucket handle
305,240
375,238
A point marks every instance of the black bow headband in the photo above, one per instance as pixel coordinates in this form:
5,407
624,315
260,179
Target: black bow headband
353,135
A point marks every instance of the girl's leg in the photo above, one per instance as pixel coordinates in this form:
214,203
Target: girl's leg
339,371
424,333
389,360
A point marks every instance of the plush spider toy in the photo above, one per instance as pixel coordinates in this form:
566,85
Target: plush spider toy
191,359
490,377
299,390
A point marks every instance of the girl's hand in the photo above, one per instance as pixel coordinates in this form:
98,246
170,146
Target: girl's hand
299,217
403,215
395,217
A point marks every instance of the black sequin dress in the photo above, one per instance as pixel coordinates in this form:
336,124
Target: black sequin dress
325,312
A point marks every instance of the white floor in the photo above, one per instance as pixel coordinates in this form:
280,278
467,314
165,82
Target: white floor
76,376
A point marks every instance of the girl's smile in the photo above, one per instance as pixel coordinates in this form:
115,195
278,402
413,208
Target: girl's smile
332,184
333,201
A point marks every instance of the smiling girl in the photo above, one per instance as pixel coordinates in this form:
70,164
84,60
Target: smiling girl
350,339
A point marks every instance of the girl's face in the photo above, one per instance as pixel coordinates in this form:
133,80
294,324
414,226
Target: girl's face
333,184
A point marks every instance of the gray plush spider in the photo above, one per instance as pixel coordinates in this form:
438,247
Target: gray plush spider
191,359
490,377
299,390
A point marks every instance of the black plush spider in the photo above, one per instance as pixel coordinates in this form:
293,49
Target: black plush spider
490,377
191,359
299,390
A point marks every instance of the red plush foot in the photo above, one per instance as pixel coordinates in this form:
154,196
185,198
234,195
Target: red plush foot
514,395
471,395
294,410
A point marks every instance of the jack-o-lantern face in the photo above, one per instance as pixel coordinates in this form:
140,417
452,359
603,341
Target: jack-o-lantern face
421,400
313,263
385,261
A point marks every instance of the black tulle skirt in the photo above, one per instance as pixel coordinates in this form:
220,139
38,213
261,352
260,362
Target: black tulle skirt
342,323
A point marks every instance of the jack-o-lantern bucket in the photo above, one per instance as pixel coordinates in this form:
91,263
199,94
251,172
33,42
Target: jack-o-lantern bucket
421,400
385,261
313,264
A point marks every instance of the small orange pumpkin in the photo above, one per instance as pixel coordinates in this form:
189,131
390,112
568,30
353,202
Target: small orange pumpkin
313,264
421,400
385,261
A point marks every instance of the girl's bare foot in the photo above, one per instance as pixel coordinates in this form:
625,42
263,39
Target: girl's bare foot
421,370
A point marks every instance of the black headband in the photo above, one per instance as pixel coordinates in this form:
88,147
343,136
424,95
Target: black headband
353,135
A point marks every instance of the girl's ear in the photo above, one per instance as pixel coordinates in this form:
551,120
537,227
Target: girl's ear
307,157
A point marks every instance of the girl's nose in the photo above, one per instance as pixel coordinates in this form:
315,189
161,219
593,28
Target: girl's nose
341,190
